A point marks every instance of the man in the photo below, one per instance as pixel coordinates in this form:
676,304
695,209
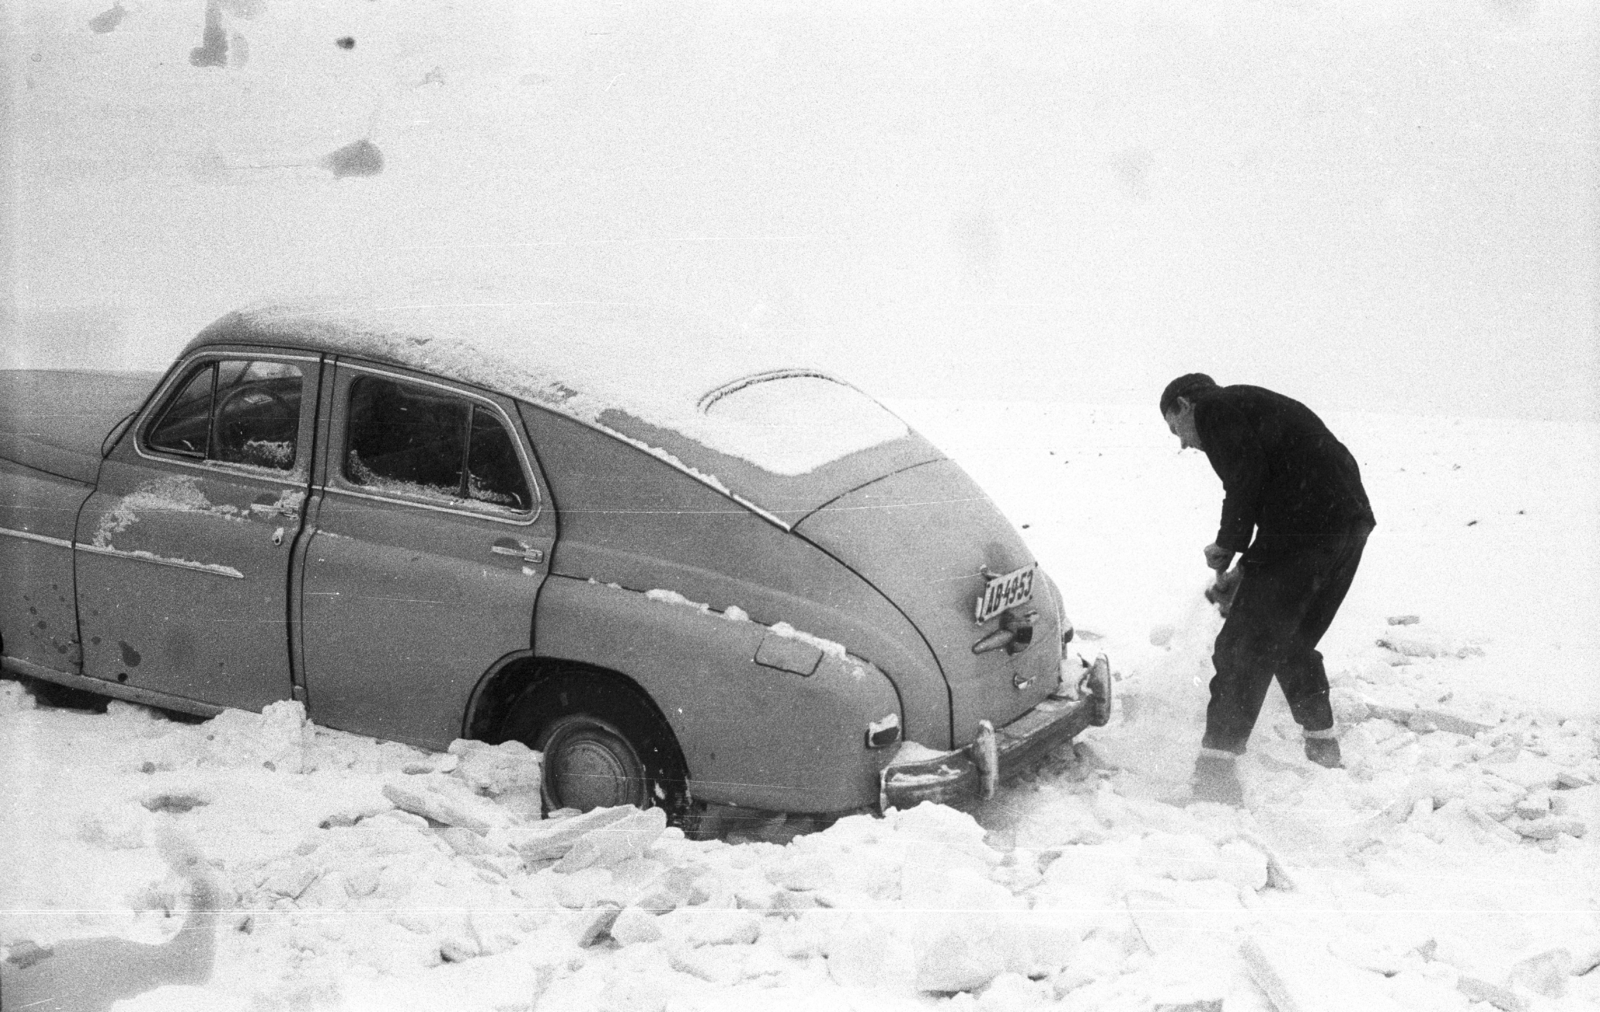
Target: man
1295,508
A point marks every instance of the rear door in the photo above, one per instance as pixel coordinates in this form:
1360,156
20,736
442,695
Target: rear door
182,552
428,544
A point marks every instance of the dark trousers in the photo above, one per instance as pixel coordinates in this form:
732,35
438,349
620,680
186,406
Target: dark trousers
1285,602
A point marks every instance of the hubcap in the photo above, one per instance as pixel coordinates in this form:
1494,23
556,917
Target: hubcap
590,768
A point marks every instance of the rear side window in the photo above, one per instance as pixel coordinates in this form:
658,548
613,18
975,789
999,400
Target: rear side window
239,411
415,441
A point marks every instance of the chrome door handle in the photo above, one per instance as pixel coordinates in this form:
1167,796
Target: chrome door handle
267,509
524,552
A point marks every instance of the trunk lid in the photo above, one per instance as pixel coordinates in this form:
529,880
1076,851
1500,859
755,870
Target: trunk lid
925,536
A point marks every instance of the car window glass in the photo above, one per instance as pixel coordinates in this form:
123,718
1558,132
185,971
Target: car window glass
185,425
791,424
405,439
411,440
257,414
494,472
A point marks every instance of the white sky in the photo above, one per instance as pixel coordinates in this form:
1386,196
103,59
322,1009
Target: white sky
1382,206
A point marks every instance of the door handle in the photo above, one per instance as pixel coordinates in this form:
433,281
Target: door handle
272,509
525,552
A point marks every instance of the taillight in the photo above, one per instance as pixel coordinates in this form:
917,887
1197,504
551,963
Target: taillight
885,732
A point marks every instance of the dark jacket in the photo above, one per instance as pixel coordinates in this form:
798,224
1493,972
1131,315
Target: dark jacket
1284,476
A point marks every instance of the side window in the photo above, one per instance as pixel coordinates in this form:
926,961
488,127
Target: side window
240,411
415,441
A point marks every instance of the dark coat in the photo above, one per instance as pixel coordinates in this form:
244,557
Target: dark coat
1284,475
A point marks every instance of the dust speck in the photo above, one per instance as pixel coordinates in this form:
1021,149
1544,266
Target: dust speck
358,158
109,20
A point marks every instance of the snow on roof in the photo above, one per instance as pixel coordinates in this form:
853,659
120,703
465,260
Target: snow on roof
591,357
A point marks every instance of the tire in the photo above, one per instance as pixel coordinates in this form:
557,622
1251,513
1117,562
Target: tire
604,744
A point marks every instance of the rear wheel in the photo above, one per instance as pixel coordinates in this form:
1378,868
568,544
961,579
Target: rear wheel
604,744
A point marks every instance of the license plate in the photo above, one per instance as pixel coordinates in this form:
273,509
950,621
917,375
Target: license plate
1008,591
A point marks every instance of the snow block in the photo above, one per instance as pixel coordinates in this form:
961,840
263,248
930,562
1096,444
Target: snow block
669,891
507,768
444,799
722,966
958,936
1534,806
930,823
554,837
1530,772
635,926
1304,978
1164,924
595,924
1423,720
276,738
1546,974
1551,827
1242,865
629,836
1487,824
1414,644
1278,876
1187,858
583,889
1500,997
869,955
698,926
801,871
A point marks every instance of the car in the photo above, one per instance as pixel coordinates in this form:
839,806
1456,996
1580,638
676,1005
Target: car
689,574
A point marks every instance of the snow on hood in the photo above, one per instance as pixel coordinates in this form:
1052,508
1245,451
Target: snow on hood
608,361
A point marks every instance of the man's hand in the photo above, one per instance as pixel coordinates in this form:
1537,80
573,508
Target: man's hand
1218,557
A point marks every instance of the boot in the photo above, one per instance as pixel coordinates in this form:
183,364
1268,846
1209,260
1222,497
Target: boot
1216,779
1324,751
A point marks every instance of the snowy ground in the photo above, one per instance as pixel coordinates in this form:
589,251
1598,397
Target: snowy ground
1436,868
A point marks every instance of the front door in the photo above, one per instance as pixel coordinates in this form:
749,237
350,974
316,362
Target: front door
428,543
183,550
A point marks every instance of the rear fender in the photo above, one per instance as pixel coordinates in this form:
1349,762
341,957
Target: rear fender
753,733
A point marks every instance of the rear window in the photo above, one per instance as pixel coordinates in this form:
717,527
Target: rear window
793,423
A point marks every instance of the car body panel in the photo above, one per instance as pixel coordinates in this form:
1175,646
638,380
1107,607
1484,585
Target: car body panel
751,735
38,614
57,420
958,535
404,603
631,519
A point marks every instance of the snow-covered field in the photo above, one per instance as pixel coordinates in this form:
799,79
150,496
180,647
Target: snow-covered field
1436,869
1358,204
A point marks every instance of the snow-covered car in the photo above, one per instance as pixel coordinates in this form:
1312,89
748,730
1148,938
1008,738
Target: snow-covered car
690,577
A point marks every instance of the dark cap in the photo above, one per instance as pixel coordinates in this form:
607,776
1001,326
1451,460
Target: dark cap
1186,385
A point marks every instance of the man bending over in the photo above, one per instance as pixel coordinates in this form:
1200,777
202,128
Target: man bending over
1295,508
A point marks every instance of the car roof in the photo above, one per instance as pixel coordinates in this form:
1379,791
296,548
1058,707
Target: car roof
611,361
579,350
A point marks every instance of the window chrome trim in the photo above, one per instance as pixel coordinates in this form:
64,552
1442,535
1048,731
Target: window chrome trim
703,405
297,477
515,518
41,538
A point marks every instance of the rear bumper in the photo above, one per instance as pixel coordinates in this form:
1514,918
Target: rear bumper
962,776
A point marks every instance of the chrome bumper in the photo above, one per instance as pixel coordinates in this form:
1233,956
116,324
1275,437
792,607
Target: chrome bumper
964,775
